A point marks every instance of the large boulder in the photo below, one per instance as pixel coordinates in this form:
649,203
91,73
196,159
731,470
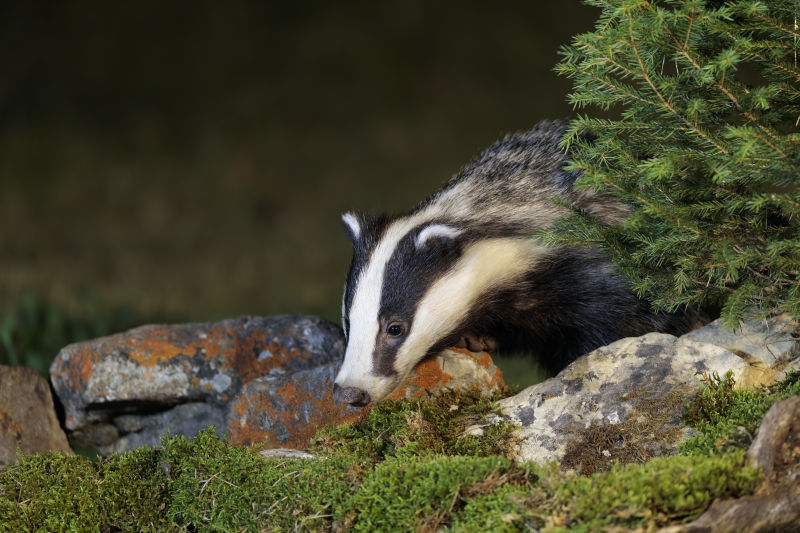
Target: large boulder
622,402
257,380
129,389
27,417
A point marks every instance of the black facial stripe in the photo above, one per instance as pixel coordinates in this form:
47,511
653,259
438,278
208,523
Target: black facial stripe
409,274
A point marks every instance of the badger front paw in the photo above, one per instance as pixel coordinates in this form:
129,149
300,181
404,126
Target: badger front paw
476,342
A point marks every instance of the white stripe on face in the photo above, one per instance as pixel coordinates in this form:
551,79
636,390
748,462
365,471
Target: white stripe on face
484,266
356,369
436,231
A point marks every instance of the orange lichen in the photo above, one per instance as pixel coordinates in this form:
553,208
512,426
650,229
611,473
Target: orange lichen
157,346
323,411
426,375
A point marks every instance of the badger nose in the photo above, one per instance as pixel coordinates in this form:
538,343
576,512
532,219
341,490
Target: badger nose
350,395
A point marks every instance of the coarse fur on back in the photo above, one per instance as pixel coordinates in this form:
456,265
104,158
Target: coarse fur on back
464,265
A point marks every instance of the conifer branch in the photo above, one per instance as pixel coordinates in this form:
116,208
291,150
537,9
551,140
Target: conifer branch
698,151
665,103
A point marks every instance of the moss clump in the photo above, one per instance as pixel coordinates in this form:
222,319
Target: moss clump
665,490
413,493
727,417
404,428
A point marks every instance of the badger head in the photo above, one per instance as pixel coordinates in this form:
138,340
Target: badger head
412,285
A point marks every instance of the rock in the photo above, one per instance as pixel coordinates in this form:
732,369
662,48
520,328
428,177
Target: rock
129,389
257,380
278,453
622,402
453,369
776,507
751,514
770,346
768,342
776,448
27,416
287,410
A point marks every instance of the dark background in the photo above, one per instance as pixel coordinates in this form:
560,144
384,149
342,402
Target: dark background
191,160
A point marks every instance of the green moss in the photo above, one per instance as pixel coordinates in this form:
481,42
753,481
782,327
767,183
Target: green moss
215,486
727,417
405,428
497,511
50,492
665,490
411,493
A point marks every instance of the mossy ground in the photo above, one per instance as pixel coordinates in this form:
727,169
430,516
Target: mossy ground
408,465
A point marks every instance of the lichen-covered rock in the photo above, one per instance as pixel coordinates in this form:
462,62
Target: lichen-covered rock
27,416
287,409
257,380
140,384
621,402
453,369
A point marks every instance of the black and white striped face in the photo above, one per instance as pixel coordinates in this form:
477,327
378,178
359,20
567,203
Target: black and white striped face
411,283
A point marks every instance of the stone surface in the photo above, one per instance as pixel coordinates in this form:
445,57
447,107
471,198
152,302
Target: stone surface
257,380
622,401
776,448
766,342
286,410
765,513
278,453
453,369
135,386
27,416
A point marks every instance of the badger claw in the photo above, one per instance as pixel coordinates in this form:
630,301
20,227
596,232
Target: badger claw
476,343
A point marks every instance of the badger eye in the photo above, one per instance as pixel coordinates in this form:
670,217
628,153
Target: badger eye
395,330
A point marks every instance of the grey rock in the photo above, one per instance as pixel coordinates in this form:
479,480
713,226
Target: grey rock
769,341
186,419
622,401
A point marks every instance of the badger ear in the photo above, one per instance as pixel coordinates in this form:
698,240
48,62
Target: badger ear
437,231
352,226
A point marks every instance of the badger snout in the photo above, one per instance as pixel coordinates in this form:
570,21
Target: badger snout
350,395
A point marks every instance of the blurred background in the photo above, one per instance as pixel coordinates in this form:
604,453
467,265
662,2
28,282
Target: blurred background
175,161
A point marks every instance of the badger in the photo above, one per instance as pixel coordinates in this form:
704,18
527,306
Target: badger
464,269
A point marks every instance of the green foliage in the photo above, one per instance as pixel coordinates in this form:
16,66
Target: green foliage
706,149
727,417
